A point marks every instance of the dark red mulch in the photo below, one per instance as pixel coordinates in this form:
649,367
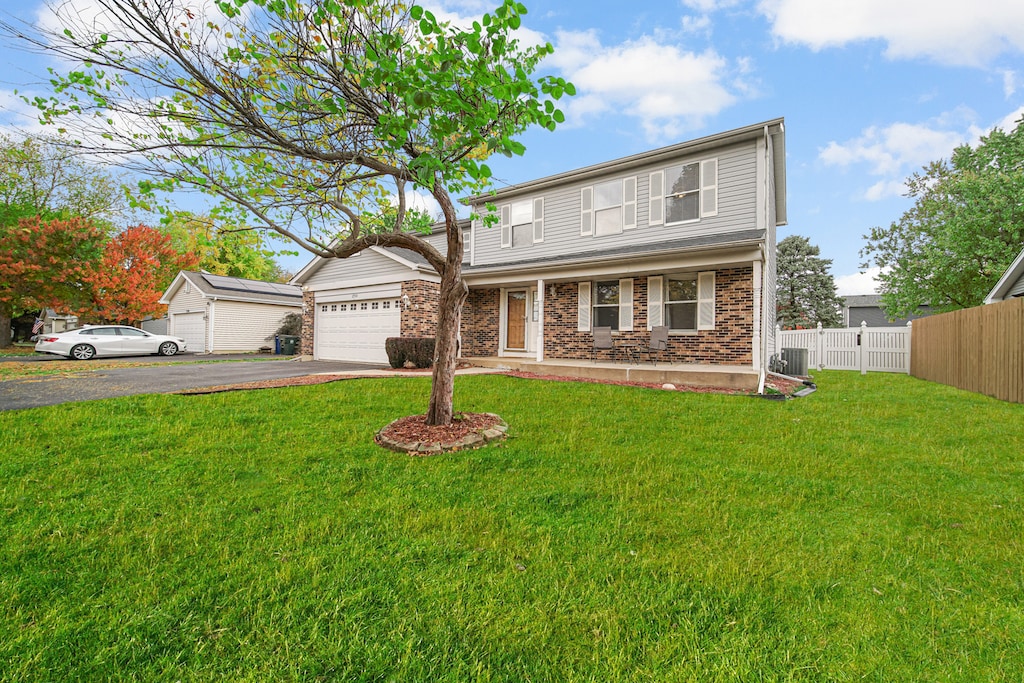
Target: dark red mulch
414,428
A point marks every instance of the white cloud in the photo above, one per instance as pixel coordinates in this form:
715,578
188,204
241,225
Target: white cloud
670,90
1009,122
945,31
865,282
894,151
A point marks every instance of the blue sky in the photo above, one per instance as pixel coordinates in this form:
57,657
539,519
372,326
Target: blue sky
871,90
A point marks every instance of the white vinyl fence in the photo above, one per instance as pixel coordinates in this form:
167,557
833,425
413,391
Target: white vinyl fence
868,349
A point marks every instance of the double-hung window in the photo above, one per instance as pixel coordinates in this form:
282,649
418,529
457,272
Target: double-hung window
608,208
681,303
606,304
683,193
522,223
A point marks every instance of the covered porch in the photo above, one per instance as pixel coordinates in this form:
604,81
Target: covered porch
737,377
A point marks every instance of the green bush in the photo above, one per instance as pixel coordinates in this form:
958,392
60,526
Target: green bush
418,350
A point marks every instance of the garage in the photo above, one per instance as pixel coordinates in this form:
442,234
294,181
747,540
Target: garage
192,328
357,330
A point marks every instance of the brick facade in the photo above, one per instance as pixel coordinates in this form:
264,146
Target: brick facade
480,323
730,343
308,319
420,318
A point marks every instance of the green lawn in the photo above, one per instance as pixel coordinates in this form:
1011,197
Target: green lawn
871,531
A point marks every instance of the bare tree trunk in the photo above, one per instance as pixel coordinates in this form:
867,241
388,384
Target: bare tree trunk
449,315
5,328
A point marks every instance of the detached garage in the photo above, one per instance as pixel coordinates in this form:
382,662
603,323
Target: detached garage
219,314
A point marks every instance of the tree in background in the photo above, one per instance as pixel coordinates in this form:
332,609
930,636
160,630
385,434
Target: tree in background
46,264
309,118
137,265
231,250
42,176
41,181
806,288
964,230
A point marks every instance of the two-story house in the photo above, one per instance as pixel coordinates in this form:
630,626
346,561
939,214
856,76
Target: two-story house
681,237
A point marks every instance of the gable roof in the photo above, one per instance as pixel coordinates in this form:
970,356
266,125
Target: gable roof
1011,280
228,288
774,128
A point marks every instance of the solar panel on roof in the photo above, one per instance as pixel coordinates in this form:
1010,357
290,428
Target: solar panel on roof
251,286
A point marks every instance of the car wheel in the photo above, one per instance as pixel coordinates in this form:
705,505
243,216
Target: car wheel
82,352
168,349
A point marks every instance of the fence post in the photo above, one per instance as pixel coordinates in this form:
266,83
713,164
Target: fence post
819,347
778,340
861,343
910,331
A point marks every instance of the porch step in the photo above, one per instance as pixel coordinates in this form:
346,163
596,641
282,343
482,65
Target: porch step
739,377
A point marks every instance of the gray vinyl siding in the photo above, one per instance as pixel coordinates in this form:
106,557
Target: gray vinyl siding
1017,289
242,326
368,265
183,302
737,210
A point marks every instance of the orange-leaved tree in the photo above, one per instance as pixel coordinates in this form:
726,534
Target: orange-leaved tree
137,266
46,263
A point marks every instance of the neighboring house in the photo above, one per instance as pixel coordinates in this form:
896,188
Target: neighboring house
868,308
218,314
682,236
1011,284
54,322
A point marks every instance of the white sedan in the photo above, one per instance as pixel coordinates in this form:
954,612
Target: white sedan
108,340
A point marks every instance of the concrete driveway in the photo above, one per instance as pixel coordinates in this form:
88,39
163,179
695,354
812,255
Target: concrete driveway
45,390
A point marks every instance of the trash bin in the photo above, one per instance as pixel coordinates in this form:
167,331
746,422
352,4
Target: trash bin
289,344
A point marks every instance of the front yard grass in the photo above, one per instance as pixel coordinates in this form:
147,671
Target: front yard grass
872,531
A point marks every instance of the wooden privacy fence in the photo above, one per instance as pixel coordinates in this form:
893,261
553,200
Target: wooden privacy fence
977,349
867,349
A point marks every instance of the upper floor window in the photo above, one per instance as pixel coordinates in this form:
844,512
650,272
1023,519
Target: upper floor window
683,193
608,208
522,223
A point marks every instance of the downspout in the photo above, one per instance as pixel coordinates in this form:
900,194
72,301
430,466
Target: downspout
764,260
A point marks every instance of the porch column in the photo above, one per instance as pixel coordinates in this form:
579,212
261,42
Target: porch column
540,320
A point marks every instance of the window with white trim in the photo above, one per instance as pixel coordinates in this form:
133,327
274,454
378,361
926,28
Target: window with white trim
606,304
608,208
522,223
683,193
683,302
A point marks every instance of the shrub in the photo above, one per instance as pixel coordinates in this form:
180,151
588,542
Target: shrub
291,325
418,350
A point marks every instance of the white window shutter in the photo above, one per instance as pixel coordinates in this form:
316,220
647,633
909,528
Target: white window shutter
587,212
626,305
538,220
706,301
583,314
708,188
629,203
656,199
655,302
506,225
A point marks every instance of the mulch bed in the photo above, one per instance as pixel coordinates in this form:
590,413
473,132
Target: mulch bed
413,435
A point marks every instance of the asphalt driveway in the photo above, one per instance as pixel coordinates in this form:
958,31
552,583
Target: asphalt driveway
45,390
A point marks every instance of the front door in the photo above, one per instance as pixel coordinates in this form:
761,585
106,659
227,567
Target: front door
515,334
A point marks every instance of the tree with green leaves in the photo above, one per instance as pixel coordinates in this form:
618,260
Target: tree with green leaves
964,230
806,290
310,118
47,184
222,250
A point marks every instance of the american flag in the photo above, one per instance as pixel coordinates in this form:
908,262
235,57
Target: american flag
37,326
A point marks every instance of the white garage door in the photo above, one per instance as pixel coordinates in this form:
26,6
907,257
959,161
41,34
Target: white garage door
356,330
192,328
